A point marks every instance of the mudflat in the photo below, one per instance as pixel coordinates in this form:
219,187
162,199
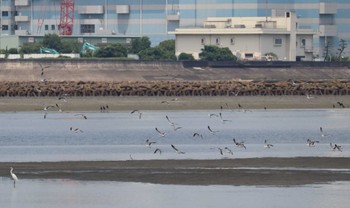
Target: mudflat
172,103
249,171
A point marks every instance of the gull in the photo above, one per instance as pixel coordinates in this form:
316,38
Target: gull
170,122
149,143
211,131
162,134
322,134
63,97
213,115
14,177
336,147
311,143
82,115
228,150
177,151
341,104
197,135
46,108
136,111
157,150
76,130
267,145
165,102
239,144
59,109
223,120
176,128
220,149
308,96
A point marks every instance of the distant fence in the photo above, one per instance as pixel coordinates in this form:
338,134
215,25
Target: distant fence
264,64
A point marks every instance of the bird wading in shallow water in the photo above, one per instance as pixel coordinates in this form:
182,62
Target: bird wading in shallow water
14,177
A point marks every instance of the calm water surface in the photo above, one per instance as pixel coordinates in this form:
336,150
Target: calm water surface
82,194
27,136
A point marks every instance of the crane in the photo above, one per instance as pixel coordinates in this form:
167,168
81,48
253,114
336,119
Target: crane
66,17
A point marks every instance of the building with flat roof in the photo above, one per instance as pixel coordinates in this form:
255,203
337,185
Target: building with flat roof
156,18
249,38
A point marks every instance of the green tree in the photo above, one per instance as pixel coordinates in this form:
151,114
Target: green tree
13,51
140,44
70,46
168,45
164,51
52,41
341,47
215,53
185,57
28,48
113,50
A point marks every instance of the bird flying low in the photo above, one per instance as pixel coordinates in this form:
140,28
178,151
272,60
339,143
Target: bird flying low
177,151
157,151
211,131
239,144
136,111
267,145
162,134
336,147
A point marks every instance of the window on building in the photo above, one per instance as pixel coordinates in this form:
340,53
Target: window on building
203,41
87,28
303,43
278,41
248,55
5,27
53,27
5,13
14,13
46,27
14,27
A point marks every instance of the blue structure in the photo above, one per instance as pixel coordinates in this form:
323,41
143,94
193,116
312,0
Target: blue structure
155,18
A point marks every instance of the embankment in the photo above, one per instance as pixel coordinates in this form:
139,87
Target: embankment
86,77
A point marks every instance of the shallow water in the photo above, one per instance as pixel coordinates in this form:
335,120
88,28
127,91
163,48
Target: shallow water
27,136
76,194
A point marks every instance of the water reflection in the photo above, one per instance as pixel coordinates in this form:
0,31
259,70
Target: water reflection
70,193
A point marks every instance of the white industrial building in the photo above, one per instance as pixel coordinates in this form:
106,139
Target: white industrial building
250,38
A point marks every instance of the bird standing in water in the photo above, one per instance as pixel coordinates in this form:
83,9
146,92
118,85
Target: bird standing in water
14,177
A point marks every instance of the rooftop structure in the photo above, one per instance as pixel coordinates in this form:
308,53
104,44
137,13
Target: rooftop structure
250,37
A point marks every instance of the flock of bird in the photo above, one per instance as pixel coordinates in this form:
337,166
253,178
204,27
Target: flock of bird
176,127
221,150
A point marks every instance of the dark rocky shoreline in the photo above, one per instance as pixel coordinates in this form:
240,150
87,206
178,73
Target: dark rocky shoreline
175,88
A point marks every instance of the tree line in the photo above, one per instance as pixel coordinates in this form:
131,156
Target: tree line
139,46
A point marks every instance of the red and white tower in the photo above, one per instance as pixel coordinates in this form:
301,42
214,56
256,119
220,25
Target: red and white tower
66,17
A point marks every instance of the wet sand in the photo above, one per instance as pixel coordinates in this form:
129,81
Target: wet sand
171,103
251,171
